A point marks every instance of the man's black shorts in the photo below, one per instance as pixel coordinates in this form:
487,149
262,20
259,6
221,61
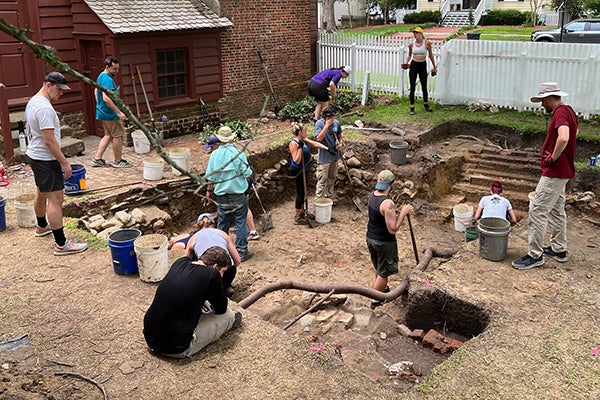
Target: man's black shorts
48,175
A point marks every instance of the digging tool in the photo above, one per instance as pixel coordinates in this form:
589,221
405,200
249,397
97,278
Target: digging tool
156,135
355,198
266,216
305,195
412,238
137,104
277,106
204,111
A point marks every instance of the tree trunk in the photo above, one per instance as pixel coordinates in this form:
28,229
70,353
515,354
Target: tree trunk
328,16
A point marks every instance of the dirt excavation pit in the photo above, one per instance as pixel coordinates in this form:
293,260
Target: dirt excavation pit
408,336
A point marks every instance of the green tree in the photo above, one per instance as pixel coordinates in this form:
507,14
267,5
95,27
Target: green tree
572,9
593,7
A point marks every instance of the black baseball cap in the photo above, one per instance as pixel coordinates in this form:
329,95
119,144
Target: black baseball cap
58,79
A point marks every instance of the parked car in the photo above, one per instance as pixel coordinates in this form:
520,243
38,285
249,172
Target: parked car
579,31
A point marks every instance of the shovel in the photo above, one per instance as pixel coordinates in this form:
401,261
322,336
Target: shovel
305,195
277,106
355,198
412,238
267,220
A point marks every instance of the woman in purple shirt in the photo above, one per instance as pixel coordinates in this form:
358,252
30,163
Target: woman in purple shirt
321,82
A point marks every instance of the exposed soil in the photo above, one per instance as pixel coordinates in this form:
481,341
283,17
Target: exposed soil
531,333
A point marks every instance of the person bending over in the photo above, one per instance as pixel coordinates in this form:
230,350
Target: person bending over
189,310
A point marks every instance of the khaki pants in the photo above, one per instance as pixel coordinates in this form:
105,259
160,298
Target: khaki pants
326,174
547,210
210,327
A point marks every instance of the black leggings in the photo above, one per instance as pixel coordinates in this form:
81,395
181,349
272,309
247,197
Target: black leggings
420,69
296,173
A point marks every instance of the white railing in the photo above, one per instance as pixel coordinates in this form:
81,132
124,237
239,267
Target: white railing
445,8
478,12
502,73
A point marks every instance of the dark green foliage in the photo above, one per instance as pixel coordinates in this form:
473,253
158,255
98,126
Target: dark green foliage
303,110
423,17
242,130
505,17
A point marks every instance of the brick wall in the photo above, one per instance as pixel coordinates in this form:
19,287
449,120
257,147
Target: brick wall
281,31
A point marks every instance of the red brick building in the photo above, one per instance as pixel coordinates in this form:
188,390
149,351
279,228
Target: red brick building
185,50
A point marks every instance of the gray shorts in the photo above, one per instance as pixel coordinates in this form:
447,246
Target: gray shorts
384,256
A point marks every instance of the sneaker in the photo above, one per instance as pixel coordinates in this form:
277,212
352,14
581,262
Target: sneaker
412,112
558,256
527,262
427,108
122,164
377,303
98,162
39,232
70,247
237,322
253,235
300,220
246,257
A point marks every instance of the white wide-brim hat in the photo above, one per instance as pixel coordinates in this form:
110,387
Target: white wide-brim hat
548,89
225,134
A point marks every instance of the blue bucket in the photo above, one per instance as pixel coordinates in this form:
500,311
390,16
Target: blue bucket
76,183
121,249
2,214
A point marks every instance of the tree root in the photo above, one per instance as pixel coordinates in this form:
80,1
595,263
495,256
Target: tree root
85,378
428,254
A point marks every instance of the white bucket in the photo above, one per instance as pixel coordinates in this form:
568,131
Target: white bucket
153,169
152,257
323,210
181,156
141,144
25,212
463,214
531,197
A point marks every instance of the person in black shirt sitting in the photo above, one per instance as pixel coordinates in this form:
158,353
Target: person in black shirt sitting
190,309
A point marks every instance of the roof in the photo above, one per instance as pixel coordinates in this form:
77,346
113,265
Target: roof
132,16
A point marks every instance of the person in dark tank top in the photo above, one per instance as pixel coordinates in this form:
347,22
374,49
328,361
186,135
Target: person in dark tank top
384,222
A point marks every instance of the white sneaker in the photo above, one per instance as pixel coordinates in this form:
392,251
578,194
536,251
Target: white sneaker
70,247
253,235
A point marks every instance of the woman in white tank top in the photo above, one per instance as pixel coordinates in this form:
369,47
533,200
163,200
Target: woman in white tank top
417,57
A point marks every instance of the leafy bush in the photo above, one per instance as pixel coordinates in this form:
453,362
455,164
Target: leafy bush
303,110
423,17
242,130
505,17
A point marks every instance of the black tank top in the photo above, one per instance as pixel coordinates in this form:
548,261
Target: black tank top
376,227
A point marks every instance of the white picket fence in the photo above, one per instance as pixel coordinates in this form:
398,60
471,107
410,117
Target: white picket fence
502,73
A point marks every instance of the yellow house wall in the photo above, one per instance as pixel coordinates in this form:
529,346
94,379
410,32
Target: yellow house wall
424,5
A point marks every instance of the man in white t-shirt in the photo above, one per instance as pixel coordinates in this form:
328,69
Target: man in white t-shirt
48,163
495,205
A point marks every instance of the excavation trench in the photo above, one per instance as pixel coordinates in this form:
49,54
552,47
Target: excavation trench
342,328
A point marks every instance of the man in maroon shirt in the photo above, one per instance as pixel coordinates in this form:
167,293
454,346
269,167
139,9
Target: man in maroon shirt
558,166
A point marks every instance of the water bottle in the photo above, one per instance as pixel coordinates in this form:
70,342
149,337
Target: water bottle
22,142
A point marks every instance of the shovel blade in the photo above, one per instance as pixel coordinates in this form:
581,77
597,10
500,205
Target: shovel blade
265,221
358,204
